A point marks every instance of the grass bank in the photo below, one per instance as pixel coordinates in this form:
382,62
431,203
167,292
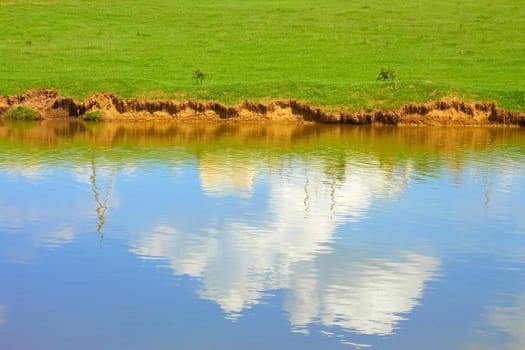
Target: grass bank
323,52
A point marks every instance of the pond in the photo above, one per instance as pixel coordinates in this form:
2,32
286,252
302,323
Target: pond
261,236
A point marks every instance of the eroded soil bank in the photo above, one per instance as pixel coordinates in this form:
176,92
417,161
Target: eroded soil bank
49,105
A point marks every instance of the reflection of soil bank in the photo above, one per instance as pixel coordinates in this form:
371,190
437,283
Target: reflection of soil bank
50,105
209,137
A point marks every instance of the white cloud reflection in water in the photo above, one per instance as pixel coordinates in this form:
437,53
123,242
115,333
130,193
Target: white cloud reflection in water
3,312
356,292
510,320
240,261
55,238
221,175
31,172
22,248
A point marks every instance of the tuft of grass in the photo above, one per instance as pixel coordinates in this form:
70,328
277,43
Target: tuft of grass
94,116
21,113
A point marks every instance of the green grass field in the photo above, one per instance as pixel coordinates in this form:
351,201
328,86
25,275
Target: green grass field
325,52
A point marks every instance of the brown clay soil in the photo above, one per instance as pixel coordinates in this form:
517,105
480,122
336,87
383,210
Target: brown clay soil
49,105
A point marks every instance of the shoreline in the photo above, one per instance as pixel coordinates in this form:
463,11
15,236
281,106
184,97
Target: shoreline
48,104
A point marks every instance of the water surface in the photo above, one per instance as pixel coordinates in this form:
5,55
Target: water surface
228,236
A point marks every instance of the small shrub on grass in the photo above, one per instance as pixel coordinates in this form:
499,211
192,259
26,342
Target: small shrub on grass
21,113
93,116
198,76
388,75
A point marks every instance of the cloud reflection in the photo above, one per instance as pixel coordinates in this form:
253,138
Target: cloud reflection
56,238
240,261
511,321
222,175
31,172
3,314
358,292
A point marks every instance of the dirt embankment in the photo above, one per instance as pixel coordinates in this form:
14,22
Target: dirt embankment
49,105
